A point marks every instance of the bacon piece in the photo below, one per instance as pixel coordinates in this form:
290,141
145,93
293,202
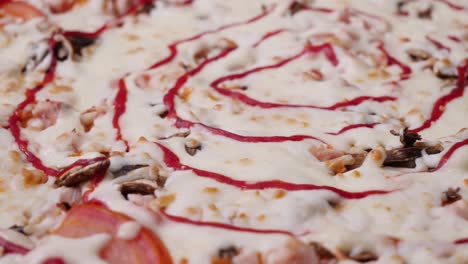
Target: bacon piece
91,218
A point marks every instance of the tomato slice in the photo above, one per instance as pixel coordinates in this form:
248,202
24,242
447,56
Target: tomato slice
19,9
92,218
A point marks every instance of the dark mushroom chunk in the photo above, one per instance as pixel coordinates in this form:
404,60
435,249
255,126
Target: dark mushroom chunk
400,7
358,160
128,168
179,134
142,188
418,55
17,228
363,257
192,146
450,196
296,7
445,72
161,181
201,54
228,253
60,51
434,149
324,255
405,156
39,53
426,14
164,114
81,173
64,206
407,138
402,157
147,8
80,41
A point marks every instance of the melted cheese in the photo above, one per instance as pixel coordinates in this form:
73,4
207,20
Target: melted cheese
309,84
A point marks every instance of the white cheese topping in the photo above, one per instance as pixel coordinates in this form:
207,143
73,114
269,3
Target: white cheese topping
264,127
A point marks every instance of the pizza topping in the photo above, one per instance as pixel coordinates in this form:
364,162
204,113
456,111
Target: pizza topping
125,169
64,206
79,174
405,157
37,54
323,254
363,257
88,117
79,41
426,13
89,219
450,196
225,255
18,9
18,228
192,146
136,187
418,54
296,7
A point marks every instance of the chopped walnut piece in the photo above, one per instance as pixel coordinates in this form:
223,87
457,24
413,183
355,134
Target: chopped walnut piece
87,117
163,201
338,165
33,177
450,196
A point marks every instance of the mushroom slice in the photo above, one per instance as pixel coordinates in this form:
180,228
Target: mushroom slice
363,256
323,254
125,169
450,196
192,146
81,173
418,54
137,187
402,157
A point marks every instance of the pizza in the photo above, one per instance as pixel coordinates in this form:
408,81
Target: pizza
228,132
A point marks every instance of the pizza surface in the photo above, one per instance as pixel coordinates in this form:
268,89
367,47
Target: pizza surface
227,132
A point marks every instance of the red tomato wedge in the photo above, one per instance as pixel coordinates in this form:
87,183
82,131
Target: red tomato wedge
19,9
90,218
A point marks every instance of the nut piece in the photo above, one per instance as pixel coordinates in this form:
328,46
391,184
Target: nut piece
136,187
81,173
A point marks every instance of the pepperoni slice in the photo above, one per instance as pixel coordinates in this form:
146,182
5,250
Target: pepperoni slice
92,218
19,9
62,6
